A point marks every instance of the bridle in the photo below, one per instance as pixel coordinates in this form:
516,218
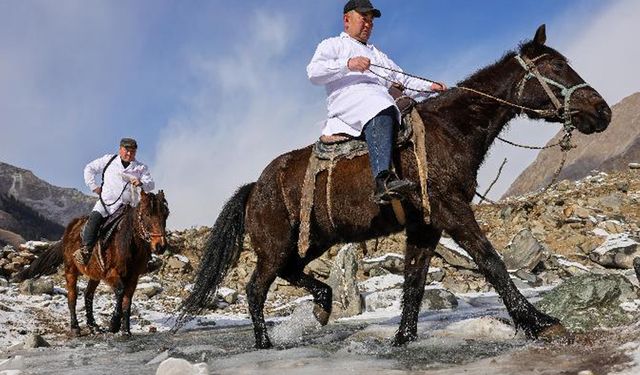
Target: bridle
144,233
562,110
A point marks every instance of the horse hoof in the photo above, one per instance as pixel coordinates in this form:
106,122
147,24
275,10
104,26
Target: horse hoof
96,330
321,315
74,332
402,340
556,333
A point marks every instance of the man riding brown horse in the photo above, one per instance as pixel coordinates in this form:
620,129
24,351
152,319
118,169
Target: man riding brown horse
113,191
358,100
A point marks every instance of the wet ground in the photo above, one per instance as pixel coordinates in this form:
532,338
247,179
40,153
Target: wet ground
450,342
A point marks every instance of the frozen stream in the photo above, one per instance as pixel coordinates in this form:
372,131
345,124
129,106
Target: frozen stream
471,339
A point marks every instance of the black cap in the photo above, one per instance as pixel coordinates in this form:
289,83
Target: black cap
128,143
361,6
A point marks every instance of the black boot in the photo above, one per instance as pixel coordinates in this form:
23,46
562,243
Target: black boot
89,236
389,186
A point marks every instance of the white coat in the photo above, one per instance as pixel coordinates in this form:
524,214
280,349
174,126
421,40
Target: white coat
115,178
354,98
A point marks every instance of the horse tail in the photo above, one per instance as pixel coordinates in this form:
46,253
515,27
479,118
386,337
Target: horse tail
221,252
45,264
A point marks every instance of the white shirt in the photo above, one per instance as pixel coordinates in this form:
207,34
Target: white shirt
354,98
115,178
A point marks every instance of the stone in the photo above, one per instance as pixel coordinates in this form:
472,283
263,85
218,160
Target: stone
636,267
16,364
149,289
34,340
435,275
613,201
611,226
342,280
320,267
438,299
634,165
581,212
453,254
617,251
228,295
174,366
36,287
524,252
590,301
394,263
4,282
179,263
382,300
529,277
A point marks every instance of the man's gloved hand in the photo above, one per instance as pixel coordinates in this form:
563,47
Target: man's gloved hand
437,86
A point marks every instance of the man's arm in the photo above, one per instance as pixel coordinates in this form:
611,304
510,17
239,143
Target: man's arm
145,181
326,66
414,87
93,169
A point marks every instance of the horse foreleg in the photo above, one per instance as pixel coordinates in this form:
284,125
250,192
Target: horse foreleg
421,243
127,300
321,292
89,293
116,318
257,290
71,277
467,233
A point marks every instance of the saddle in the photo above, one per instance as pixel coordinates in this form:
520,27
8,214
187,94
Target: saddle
327,151
106,231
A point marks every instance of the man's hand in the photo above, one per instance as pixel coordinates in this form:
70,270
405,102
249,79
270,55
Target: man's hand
135,182
437,86
358,64
97,190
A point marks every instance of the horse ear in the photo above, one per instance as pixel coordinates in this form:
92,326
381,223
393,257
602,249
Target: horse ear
541,35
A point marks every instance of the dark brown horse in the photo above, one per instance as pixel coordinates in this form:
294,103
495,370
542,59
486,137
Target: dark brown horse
141,232
460,125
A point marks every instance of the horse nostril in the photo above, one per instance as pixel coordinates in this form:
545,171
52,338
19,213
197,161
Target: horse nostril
604,111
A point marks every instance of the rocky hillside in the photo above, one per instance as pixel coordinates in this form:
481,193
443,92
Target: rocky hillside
55,206
611,150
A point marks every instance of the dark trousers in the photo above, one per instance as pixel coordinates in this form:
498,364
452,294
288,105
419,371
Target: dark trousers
378,133
91,227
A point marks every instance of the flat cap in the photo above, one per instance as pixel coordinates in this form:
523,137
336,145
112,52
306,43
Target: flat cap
128,143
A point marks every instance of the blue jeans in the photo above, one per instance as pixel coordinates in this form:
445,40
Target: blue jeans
378,133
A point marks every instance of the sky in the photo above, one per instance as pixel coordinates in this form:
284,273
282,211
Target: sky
214,90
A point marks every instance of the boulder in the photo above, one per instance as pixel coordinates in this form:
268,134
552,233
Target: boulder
591,300
382,300
438,299
342,280
524,251
34,340
149,289
173,366
36,287
179,263
453,254
617,251
394,263
228,295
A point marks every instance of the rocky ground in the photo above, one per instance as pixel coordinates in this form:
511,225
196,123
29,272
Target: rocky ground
578,235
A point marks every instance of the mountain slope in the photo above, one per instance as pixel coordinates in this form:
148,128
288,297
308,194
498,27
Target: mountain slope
611,150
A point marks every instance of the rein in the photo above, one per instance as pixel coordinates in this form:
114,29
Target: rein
562,110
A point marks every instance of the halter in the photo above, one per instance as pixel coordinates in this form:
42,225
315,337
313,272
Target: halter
562,110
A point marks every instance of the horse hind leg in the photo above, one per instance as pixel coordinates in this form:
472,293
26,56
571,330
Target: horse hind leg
421,243
257,289
89,293
321,292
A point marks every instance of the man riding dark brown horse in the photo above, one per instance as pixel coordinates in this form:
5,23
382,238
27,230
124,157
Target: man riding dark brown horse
461,124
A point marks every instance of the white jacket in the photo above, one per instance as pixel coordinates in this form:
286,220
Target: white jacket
115,178
354,98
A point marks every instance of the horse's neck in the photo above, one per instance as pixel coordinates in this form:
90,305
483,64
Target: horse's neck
479,119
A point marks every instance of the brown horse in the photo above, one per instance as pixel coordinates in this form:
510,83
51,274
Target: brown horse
461,125
141,232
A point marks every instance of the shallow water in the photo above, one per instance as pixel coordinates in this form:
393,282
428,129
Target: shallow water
450,342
